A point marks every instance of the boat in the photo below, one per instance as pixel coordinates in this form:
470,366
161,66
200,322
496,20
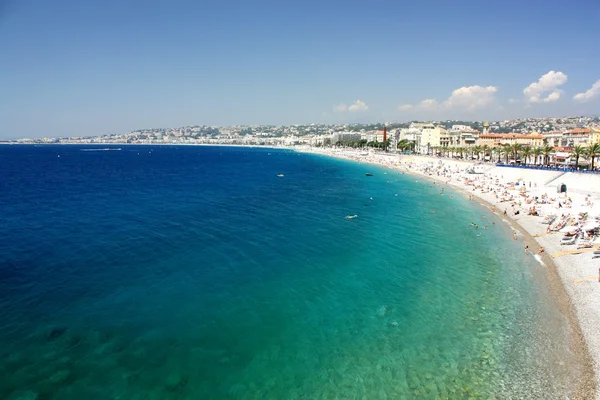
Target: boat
369,174
281,175
351,216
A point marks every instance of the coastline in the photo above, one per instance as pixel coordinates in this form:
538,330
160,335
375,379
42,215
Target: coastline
575,307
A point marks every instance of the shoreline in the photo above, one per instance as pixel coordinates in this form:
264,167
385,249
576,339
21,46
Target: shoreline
586,383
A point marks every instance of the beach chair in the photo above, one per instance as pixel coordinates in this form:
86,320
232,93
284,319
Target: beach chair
568,240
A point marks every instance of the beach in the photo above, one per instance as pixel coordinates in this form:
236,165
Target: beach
527,199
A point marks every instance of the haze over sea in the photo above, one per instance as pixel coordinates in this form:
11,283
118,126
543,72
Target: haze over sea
198,273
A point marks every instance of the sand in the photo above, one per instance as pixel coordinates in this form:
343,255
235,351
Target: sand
572,273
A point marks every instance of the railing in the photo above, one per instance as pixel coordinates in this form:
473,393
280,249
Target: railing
548,168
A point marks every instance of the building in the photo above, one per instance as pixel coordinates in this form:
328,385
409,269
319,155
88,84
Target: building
412,134
576,137
463,138
431,136
486,128
500,139
594,135
344,137
553,138
460,128
372,137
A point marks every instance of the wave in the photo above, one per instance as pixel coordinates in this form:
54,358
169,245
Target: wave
105,149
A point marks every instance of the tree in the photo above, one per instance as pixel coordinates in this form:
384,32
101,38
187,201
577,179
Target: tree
577,152
385,144
486,150
402,145
477,150
546,150
498,151
526,153
537,152
515,149
506,151
593,151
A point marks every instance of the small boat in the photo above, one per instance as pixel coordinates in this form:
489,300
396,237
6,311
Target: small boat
369,174
351,216
281,175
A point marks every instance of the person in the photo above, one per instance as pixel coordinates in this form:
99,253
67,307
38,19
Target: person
505,211
541,250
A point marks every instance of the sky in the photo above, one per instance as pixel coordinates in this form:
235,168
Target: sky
83,68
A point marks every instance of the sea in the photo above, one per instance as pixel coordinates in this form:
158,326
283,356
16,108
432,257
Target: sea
205,272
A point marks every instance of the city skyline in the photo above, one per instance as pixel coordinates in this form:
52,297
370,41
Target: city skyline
96,68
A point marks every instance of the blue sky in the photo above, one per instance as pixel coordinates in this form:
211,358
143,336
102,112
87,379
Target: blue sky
91,67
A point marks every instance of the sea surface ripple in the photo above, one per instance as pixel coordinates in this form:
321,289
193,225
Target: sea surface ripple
184,272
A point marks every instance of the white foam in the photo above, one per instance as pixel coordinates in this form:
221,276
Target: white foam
539,259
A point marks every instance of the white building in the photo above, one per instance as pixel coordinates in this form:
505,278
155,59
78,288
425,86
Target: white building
412,134
460,128
344,137
431,136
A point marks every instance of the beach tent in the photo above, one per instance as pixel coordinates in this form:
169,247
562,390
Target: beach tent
561,188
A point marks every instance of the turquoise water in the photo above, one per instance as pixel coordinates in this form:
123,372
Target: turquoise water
198,273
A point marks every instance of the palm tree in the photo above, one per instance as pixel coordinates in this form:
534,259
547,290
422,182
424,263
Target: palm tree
506,151
546,150
577,152
593,151
515,148
446,151
476,150
486,150
498,151
537,152
526,153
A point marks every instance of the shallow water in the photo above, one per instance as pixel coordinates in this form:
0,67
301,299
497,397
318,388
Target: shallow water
197,272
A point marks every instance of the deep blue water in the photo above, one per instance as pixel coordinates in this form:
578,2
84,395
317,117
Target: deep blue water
163,272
